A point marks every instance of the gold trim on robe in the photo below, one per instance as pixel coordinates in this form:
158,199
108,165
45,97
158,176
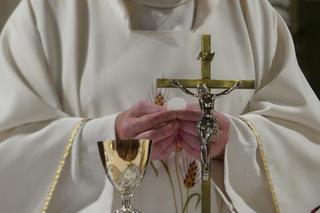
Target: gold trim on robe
61,164
265,164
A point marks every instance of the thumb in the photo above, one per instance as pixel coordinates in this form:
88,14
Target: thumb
193,107
143,108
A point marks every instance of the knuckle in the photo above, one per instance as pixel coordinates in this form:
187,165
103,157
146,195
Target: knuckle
125,128
165,115
140,104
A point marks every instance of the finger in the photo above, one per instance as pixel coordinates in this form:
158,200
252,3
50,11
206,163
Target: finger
160,133
189,115
159,147
223,120
189,127
192,140
150,121
167,152
188,131
216,149
143,108
191,151
193,107
221,139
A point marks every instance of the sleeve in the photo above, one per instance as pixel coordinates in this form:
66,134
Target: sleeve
272,160
34,130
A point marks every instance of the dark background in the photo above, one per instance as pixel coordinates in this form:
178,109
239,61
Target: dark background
306,34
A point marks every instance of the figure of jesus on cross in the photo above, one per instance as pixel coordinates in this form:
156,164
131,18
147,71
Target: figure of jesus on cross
207,124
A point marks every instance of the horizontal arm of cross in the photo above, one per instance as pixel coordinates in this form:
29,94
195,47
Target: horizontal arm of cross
212,84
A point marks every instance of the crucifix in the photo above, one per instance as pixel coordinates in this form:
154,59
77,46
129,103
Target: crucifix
207,124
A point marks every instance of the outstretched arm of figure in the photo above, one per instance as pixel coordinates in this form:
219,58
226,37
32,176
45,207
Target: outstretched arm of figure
227,91
178,85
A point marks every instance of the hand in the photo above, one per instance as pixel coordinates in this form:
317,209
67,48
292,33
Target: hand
188,133
145,120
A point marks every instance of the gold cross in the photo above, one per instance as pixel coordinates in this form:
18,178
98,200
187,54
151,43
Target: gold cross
206,58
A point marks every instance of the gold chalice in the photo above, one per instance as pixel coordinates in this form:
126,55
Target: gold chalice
125,163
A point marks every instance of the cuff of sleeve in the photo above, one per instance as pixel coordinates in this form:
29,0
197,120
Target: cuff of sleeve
100,129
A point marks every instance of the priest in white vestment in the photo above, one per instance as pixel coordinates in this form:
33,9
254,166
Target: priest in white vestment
64,60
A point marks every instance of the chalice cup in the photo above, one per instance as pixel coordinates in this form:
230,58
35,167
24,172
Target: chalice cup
125,163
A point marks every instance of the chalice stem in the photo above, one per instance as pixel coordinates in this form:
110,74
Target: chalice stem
126,205
125,198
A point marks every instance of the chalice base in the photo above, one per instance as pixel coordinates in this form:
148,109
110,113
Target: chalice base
127,210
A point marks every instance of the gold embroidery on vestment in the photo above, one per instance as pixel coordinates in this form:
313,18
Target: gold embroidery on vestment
265,164
61,165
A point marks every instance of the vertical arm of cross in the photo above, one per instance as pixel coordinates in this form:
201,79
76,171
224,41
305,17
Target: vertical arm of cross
206,56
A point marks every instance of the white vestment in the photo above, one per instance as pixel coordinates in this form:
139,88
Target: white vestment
63,60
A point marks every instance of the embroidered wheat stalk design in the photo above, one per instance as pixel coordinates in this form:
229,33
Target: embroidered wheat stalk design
190,178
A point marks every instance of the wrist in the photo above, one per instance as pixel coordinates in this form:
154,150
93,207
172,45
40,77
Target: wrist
99,129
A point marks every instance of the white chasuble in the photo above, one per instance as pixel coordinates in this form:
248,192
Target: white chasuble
61,61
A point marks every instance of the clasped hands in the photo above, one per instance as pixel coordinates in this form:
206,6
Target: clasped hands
166,127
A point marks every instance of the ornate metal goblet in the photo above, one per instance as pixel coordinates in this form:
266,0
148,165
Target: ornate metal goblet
125,163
